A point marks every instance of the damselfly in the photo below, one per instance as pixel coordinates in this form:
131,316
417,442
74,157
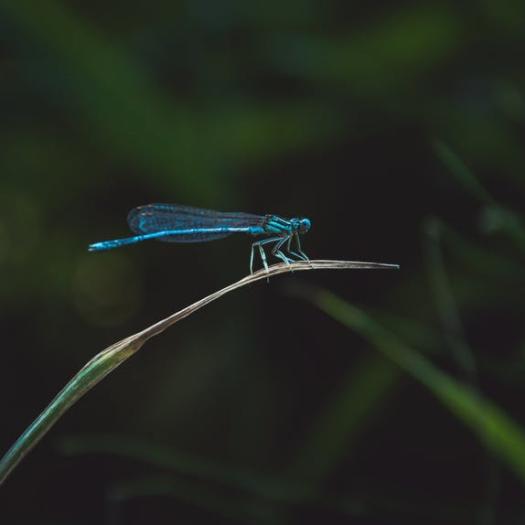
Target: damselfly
176,223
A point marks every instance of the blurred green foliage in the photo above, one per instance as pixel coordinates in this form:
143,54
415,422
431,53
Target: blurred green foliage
398,128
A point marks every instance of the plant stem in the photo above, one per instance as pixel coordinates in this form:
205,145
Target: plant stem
110,358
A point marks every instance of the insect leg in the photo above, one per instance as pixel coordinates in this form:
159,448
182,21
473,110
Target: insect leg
277,252
289,248
300,250
263,257
300,256
259,245
251,258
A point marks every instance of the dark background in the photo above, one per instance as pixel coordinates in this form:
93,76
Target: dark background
398,128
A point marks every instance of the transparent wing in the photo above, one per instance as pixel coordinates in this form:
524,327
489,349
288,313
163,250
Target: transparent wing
153,218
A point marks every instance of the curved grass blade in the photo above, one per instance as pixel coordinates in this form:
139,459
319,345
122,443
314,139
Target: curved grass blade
110,358
492,425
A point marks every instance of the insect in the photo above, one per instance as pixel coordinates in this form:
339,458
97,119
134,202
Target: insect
176,223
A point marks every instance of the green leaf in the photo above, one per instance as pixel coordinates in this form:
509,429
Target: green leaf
491,424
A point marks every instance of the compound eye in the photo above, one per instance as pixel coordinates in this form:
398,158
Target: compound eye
305,225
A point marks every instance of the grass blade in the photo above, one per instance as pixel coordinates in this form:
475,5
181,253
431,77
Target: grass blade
493,426
110,358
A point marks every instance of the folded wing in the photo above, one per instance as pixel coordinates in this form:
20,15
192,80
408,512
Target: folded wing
195,224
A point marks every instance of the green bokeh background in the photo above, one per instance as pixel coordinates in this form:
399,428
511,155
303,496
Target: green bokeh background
398,128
